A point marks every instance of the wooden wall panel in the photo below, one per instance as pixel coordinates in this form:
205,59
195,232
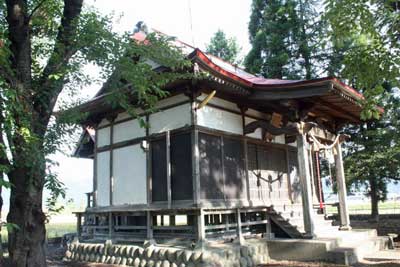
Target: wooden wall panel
267,169
181,167
159,170
211,173
235,179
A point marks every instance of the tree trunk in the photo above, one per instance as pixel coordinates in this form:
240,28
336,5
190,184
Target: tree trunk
27,243
1,221
374,200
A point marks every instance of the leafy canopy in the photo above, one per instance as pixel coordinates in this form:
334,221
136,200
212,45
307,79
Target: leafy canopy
63,38
223,47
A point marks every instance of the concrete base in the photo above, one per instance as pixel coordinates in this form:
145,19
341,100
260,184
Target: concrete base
337,247
345,228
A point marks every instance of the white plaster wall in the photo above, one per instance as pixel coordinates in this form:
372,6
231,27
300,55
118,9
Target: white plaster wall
220,119
220,102
103,178
125,115
256,114
170,119
103,137
279,139
127,130
129,173
172,100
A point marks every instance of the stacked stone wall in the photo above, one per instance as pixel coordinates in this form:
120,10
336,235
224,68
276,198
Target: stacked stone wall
234,255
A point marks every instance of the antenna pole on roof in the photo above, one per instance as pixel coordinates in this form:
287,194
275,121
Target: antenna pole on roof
190,21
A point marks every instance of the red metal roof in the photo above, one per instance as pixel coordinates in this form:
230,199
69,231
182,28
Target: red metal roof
237,74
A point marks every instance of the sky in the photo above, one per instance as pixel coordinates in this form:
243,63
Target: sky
191,21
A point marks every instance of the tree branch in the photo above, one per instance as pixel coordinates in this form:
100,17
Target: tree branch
8,77
20,43
35,9
48,89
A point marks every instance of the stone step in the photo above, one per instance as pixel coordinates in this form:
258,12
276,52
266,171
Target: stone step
292,230
352,253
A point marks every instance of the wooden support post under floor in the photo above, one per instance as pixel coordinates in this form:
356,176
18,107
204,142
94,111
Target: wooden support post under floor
201,232
149,225
342,192
239,227
305,181
110,226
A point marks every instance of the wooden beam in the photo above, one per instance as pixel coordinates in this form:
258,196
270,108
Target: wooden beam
344,113
268,127
289,93
322,134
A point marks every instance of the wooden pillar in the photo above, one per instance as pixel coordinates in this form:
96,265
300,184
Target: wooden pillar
305,181
342,192
95,170
87,200
168,156
246,163
148,162
111,163
195,147
79,224
196,167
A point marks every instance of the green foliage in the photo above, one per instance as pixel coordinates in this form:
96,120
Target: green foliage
64,37
223,47
366,33
373,155
368,30
286,37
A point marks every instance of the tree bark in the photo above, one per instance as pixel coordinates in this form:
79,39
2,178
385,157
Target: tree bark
27,244
1,222
374,199
36,99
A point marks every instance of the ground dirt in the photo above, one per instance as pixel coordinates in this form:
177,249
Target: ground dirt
56,253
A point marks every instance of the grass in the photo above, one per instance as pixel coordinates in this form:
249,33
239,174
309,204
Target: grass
365,208
52,230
